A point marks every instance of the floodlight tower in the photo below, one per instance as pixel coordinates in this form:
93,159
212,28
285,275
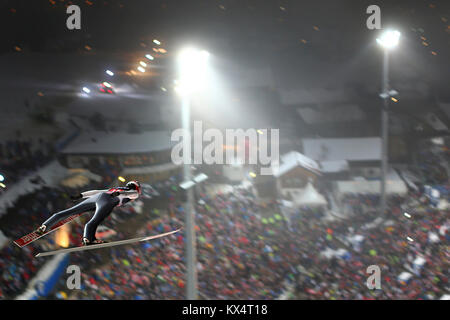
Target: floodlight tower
388,41
192,71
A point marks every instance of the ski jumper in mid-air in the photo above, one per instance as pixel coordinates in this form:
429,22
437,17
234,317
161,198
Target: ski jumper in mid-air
102,201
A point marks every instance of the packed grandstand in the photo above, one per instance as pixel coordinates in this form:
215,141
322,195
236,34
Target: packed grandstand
249,247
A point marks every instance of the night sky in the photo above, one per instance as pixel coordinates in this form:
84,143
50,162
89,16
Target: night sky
327,30
307,44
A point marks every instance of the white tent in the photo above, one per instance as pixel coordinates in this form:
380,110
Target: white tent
310,197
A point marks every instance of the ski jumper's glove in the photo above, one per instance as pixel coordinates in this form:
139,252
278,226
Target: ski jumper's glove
76,196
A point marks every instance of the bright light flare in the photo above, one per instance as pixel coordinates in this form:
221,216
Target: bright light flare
389,39
109,73
62,236
2,178
155,41
106,84
2,185
141,69
193,69
86,90
149,57
142,63
406,214
121,179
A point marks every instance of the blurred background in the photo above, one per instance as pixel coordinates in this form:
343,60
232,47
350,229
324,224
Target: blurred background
95,107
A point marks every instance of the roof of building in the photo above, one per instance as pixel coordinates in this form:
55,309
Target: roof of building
294,159
350,149
119,143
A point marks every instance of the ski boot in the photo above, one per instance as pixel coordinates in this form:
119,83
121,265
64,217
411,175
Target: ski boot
41,230
86,242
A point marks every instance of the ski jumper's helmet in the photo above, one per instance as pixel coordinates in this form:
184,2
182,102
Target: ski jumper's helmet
134,185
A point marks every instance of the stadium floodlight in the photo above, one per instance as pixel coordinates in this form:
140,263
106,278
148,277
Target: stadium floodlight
389,39
390,93
109,73
193,69
149,57
86,90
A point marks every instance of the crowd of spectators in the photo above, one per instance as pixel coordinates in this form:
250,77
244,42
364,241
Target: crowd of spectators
240,255
430,161
393,245
365,205
18,158
243,254
22,156
246,249
17,264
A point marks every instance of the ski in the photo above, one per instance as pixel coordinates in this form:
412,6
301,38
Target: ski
33,236
106,245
